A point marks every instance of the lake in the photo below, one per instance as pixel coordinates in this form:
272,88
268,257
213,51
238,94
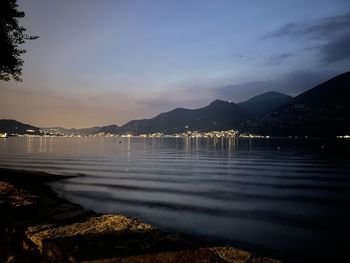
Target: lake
287,198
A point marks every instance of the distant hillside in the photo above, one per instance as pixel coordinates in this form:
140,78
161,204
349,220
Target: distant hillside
83,131
112,129
219,115
265,102
71,131
16,127
321,111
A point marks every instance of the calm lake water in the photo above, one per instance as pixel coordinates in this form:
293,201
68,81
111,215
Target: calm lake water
287,198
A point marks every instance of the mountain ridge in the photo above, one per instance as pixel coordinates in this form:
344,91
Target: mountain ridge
15,127
320,111
265,102
211,117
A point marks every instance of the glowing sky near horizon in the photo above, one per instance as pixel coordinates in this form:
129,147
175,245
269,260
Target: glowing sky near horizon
104,62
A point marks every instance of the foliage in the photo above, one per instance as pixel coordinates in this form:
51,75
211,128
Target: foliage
12,36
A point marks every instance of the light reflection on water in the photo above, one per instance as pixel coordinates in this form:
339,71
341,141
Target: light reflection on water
287,198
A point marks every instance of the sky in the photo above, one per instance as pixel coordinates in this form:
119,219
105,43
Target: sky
112,61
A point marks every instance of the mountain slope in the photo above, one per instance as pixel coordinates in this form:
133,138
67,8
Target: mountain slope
113,129
82,131
71,131
219,115
16,127
321,111
265,102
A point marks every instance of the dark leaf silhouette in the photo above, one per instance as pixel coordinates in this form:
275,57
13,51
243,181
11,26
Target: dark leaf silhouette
12,35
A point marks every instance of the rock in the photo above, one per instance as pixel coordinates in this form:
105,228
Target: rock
116,238
232,254
94,237
202,255
5,189
106,224
15,197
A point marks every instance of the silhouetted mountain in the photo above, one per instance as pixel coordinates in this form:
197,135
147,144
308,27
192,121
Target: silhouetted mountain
264,102
83,131
16,127
219,115
112,129
321,111
71,131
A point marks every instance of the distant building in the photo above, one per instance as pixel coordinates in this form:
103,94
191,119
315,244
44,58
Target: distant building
3,135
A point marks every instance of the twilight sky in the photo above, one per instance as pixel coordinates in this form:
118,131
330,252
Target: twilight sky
110,61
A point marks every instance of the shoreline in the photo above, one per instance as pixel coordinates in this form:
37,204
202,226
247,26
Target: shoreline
40,226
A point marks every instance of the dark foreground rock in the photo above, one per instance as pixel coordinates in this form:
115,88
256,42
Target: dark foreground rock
38,226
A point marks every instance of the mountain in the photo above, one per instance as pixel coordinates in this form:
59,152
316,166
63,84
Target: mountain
83,131
219,115
265,102
16,127
112,129
321,111
71,131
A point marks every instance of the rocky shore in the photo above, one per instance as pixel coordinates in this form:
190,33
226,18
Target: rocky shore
36,225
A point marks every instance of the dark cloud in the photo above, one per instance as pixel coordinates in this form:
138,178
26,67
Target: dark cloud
195,97
286,30
336,50
332,35
297,82
293,84
191,97
321,28
243,91
278,59
330,25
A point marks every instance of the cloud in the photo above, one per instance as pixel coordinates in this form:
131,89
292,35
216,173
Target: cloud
330,25
192,97
293,84
286,30
329,36
278,59
336,50
320,28
243,91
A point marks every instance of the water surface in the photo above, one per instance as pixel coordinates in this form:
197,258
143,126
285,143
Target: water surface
285,198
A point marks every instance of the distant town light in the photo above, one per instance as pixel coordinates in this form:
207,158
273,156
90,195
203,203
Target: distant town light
344,137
